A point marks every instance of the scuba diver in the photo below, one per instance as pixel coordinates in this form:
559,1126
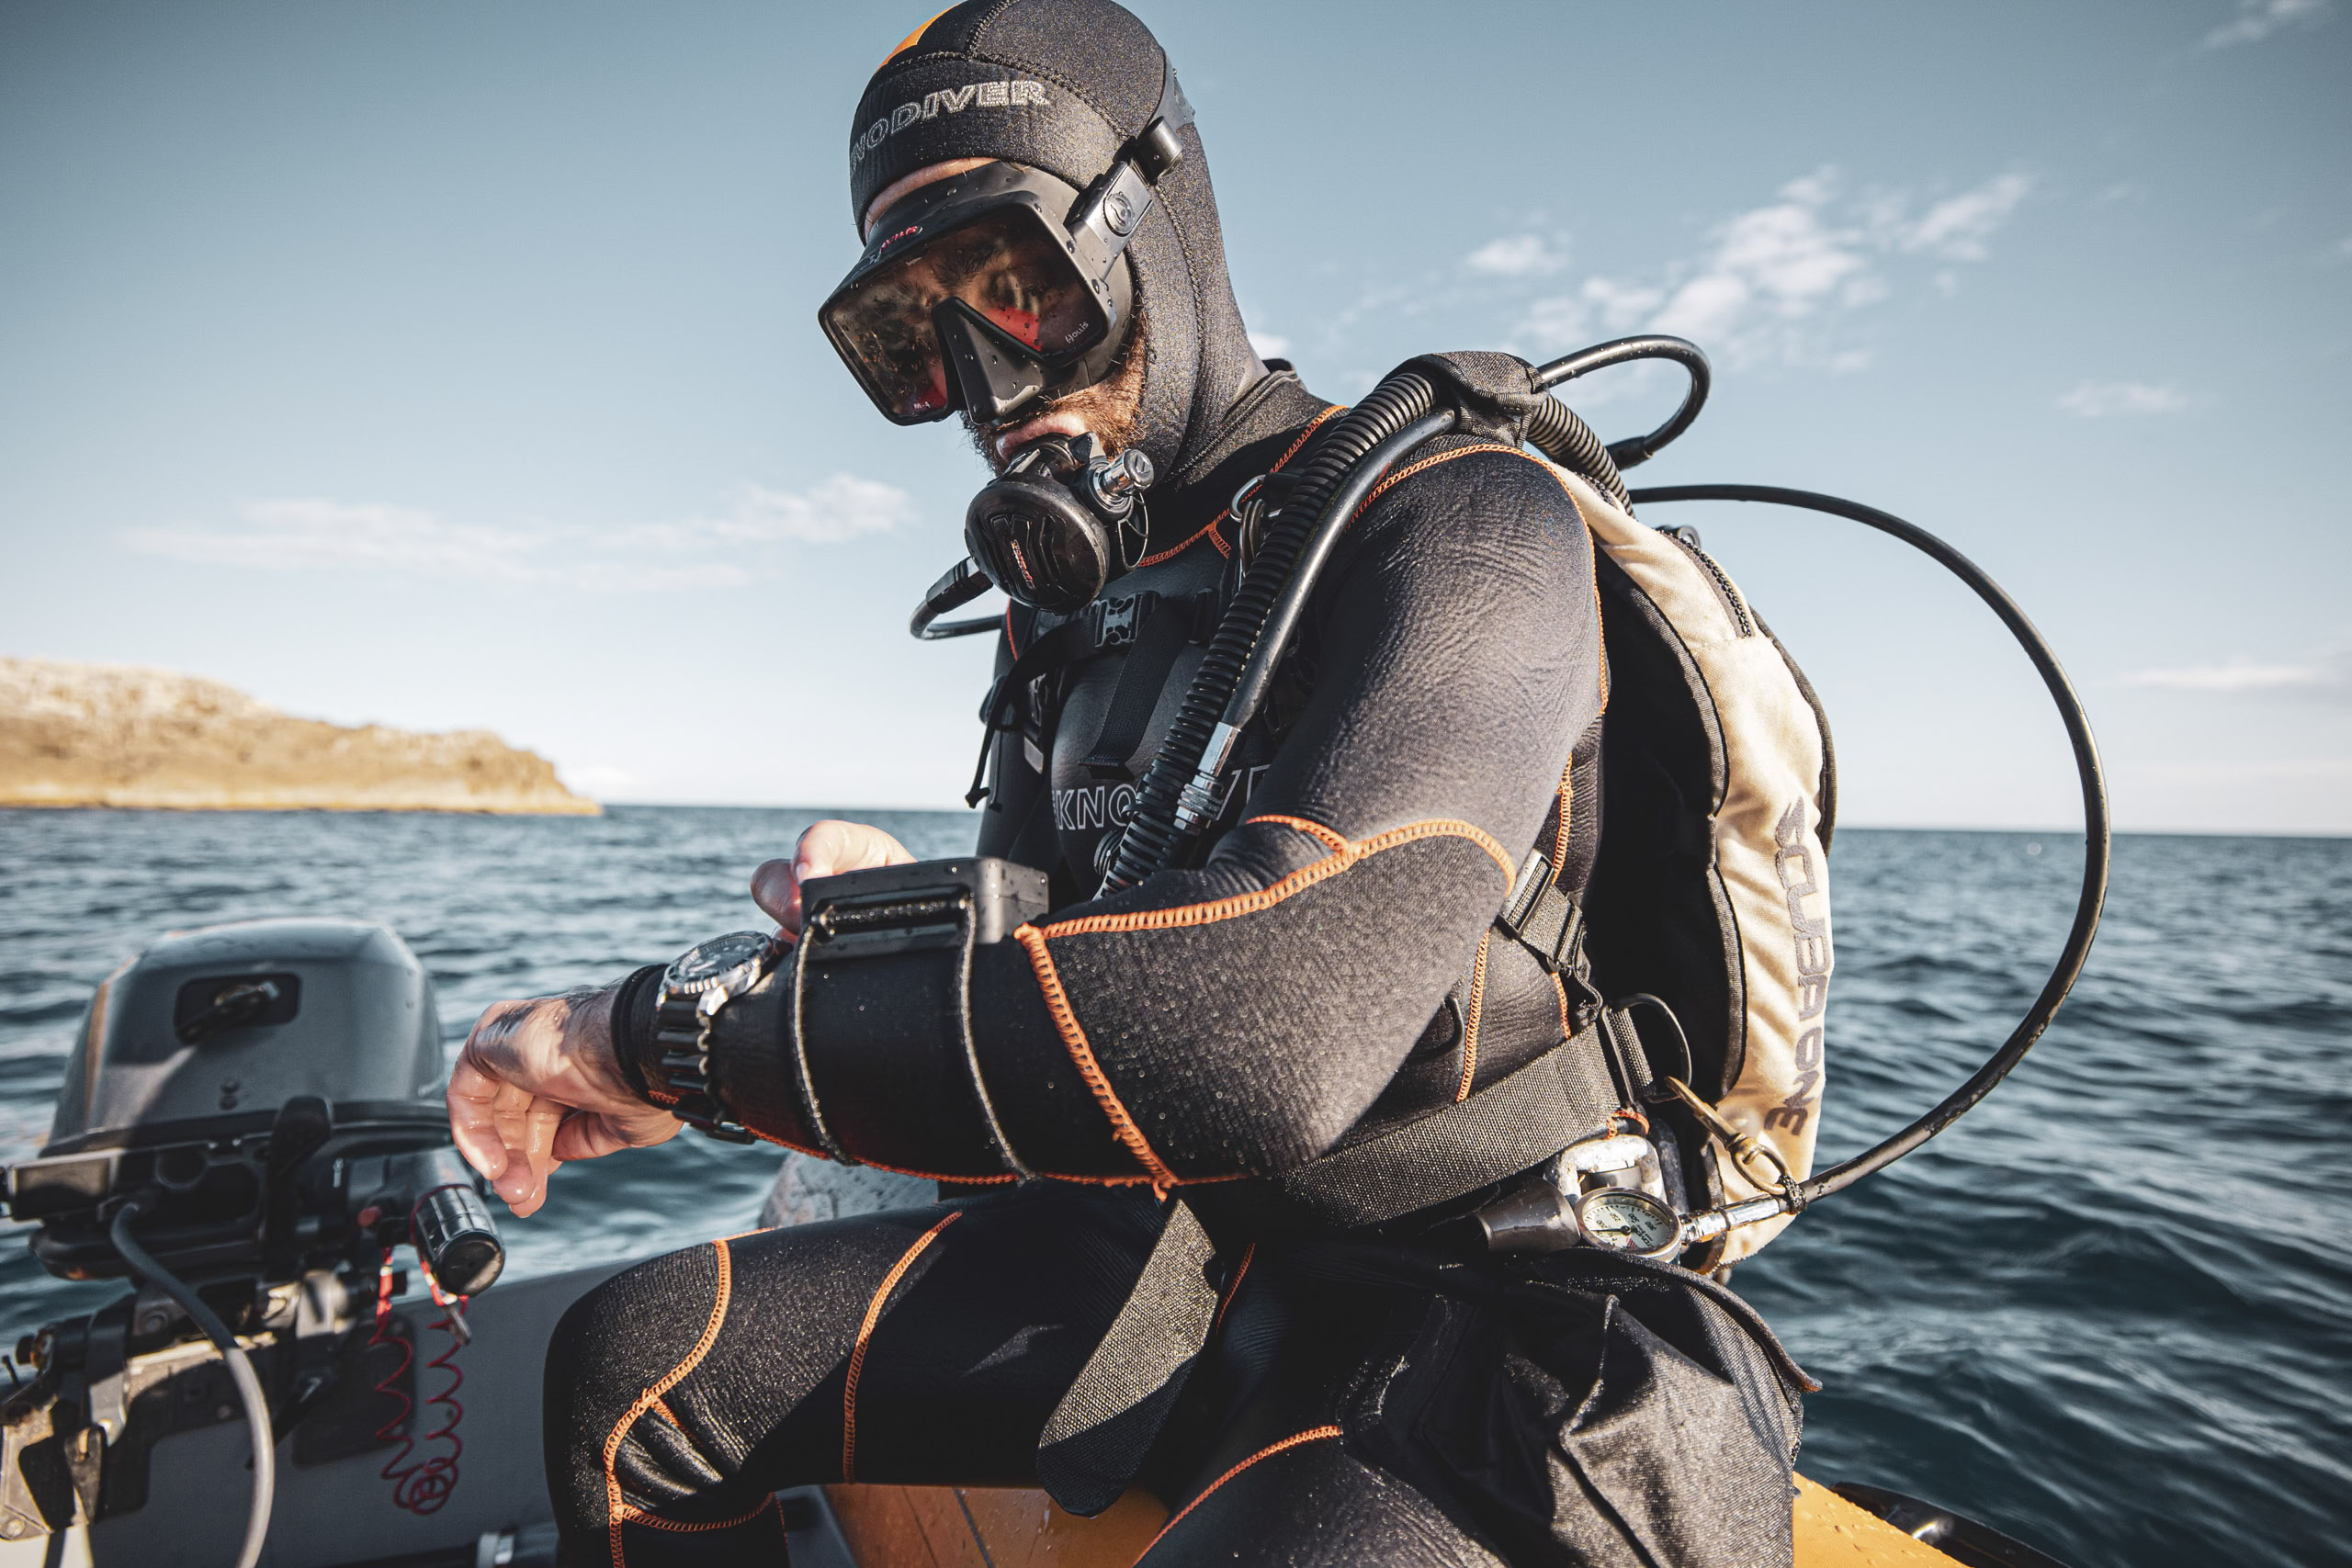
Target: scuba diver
1220,1144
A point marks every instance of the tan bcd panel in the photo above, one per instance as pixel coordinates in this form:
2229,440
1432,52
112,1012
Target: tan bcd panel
1767,841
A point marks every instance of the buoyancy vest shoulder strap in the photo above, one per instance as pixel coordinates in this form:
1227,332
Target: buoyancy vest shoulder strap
1147,623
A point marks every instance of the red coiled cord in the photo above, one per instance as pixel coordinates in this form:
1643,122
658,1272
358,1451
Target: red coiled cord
422,1487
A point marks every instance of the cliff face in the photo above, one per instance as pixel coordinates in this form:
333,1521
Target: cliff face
119,735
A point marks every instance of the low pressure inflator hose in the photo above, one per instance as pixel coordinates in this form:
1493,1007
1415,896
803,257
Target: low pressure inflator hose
2088,903
241,1372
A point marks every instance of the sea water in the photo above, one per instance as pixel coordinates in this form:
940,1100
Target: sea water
2111,1311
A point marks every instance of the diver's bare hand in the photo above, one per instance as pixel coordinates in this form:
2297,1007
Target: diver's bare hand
539,1083
827,849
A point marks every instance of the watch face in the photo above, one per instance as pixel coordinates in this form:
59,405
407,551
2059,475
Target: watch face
1626,1220
701,967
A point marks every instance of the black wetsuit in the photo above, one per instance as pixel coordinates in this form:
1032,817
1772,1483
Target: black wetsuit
1159,1061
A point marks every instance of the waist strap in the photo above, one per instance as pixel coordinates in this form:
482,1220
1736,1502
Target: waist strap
1511,1124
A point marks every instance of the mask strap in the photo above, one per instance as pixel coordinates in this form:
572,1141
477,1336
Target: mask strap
1109,218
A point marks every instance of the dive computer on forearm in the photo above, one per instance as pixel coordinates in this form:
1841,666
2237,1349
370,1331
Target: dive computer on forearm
699,982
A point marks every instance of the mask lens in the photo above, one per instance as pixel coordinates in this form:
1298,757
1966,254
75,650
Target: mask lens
1005,264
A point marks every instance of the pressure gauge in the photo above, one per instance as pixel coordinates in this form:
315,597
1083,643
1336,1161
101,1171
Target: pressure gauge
1625,1219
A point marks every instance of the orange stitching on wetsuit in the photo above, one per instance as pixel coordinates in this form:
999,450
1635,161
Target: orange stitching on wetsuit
689,1526
1008,631
815,1152
1209,531
1592,573
866,1332
662,1407
1234,1288
1331,838
618,1513
1311,1435
1409,470
1081,1055
1172,550
1565,1033
1567,804
1307,876
1470,1017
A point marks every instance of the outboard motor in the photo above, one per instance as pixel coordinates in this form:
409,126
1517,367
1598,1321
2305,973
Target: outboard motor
248,1128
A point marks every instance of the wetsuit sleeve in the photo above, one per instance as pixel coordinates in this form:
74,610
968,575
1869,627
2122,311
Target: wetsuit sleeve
1237,1017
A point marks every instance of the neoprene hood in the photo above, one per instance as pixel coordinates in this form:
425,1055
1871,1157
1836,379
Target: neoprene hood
1061,85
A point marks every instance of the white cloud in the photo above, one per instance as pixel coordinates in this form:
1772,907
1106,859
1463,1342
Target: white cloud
1269,346
303,533
2258,19
2241,676
1775,278
2107,400
1517,255
1958,226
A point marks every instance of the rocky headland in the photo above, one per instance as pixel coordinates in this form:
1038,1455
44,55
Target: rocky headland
124,735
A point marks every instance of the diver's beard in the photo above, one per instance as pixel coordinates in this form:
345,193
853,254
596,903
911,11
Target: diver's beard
1111,408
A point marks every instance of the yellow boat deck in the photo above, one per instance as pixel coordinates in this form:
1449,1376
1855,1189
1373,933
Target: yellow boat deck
941,1527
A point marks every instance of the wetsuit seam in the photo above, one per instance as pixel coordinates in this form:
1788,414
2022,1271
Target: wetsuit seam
1312,1434
1208,530
1409,470
695,1527
618,1512
1567,803
1082,1055
865,1335
1345,853
1233,1288
1471,1016
1005,1178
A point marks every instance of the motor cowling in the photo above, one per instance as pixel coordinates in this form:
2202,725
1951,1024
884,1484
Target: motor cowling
267,1089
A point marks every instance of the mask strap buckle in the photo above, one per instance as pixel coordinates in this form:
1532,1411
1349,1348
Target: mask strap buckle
1110,215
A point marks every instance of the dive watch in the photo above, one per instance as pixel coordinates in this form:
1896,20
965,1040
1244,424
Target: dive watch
699,982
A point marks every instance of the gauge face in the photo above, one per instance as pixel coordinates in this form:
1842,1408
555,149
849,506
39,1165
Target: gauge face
715,959
1625,1220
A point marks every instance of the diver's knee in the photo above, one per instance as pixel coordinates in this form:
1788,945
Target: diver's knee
614,1342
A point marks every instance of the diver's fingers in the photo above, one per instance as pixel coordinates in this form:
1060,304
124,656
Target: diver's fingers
471,1125
590,1135
532,1200
777,893
509,1111
831,847
826,848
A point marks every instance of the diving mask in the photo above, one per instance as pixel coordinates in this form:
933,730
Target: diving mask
991,289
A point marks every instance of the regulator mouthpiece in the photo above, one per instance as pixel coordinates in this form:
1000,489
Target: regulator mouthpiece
1060,522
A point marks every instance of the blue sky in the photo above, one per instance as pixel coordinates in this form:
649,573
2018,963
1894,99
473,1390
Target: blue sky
455,365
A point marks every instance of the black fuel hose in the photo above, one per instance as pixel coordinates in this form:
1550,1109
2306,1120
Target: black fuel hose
2096,833
241,1372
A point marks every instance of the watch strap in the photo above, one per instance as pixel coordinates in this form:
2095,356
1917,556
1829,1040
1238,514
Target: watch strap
632,1025
682,1067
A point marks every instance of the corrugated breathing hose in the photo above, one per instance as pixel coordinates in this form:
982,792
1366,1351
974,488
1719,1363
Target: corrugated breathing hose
1152,834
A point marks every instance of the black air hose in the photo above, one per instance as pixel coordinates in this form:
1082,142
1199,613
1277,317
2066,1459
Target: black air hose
1150,842
2097,835
1639,449
1557,431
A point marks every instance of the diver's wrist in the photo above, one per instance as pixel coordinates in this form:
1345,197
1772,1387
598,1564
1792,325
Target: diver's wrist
634,1002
